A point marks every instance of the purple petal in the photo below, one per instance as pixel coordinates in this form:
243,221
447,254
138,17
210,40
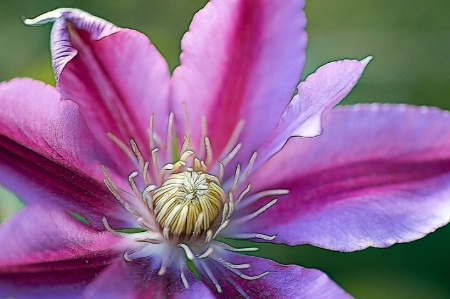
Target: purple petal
49,156
139,279
46,253
378,175
282,282
240,60
320,92
116,76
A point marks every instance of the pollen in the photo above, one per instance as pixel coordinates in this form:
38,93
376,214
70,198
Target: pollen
188,202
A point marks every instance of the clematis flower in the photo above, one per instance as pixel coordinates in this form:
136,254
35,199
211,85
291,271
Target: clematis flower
134,179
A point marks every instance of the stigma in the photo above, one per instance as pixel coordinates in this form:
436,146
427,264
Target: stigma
188,203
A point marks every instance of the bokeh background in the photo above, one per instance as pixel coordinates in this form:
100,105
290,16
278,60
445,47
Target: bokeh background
410,42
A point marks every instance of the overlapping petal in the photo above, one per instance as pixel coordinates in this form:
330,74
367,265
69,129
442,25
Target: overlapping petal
378,175
232,56
282,282
140,279
48,254
320,92
49,156
116,75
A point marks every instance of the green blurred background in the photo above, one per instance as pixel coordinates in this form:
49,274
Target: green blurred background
410,42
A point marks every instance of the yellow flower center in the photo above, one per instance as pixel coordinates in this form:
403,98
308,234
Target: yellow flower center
188,203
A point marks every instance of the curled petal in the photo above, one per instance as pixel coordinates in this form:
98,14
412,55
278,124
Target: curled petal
46,253
140,279
49,156
320,92
280,282
116,75
241,59
378,175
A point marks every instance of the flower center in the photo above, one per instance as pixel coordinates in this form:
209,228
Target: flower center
187,203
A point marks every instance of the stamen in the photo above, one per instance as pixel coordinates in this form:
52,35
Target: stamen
204,133
211,277
170,138
187,144
209,153
147,200
164,264
236,178
233,283
186,154
243,194
187,251
206,253
145,173
221,171
209,234
133,185
151,132
182,267
123,147
220,229
197,165
230,248
155,163
224,213
109,228
145,225
255,214
153,139
187,122
253,236
128,253
114,190
247,277
234,137
262,194
204,168
231,155
232,266
249,165
137,153
230,205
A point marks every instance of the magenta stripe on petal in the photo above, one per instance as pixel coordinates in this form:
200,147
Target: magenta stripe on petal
51,254
140,280
116,75
378,175
49,156
241,60
280,282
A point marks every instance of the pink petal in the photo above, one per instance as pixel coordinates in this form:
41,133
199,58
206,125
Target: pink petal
49,156
140,279
46,253
282,282
241,60
116,76
378,175
320,92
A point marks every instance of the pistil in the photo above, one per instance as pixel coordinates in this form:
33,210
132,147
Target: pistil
188,203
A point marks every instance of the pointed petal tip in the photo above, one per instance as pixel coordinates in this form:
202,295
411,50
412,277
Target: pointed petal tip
51,16
45,18
367,60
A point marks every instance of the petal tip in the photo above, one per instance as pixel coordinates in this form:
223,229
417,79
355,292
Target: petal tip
45,18
366,60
